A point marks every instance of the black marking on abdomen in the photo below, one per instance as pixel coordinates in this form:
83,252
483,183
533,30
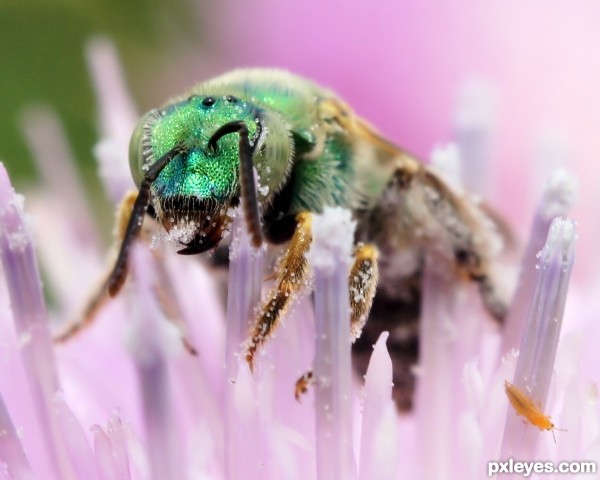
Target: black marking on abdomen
400,317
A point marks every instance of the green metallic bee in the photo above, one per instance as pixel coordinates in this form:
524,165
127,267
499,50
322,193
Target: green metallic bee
197,156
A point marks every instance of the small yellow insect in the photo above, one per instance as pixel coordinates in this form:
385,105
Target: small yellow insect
528,409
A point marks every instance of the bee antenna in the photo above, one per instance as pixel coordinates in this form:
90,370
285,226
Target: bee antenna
119,272
247,184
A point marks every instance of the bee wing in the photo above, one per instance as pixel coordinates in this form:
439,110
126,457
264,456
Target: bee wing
399,159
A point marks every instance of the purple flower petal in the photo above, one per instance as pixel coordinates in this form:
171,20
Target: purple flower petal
535,364
556,201
148,346
117,117
435,390
31,322
76,443
333,233
11,450
243,294
379,437
110,446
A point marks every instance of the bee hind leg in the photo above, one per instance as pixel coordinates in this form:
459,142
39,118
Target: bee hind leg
472,236
362,283
303,383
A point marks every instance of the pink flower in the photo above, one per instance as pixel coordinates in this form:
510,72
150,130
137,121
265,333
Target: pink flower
124,400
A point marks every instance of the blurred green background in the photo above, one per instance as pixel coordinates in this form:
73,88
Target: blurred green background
42,50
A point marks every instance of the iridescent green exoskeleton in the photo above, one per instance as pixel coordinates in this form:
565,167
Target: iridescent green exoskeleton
285,147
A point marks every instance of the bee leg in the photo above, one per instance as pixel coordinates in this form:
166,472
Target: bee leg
494,303
303,383
100,296
130,217
247,184
470,262
362,284
95,303
117,277
166,294
291,275
469,233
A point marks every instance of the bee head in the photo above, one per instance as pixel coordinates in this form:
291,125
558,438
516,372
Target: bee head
195,190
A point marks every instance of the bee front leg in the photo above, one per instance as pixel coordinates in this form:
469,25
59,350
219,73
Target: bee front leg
100,294
291,276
